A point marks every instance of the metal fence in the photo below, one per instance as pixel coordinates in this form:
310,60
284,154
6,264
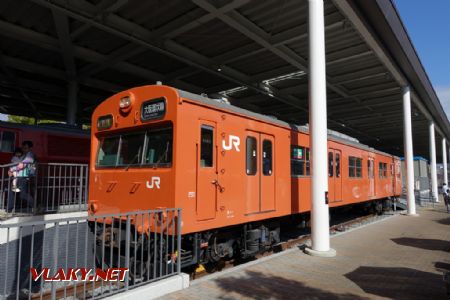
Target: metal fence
140,247
43,188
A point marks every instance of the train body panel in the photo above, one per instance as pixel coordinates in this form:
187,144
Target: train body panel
50,143
155,146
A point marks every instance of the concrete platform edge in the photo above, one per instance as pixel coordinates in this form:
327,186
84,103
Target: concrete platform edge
155,289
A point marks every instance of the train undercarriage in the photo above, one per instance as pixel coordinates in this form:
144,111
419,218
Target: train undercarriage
155,255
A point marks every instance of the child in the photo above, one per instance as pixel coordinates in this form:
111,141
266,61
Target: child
17,158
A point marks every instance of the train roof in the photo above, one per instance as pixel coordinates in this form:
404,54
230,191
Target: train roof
48,127
332,135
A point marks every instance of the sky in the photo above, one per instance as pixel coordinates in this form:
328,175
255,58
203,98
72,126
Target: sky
428,25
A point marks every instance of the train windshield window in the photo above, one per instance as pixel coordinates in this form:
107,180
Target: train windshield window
159,147
151,148
107,154
251,156
207,146
267,157
131,149
7,141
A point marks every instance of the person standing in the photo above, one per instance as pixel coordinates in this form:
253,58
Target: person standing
26,171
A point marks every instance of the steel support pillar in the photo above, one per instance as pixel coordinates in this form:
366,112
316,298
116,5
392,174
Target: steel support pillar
72,102
408,149
444,160
320,232
434,188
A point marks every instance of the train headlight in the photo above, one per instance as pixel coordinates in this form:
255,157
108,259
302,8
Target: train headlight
125,102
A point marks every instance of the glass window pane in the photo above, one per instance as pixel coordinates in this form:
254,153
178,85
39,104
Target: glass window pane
131,149
159,147
267,157
207,147
330,164
251,156
338,165
107,153
7,141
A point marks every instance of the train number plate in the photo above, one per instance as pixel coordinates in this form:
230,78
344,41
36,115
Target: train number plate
153,109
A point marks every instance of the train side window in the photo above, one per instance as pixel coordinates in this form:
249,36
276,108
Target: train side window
7,141
206,147
354,167
300,164
338,165
251,156
382,170
267,157
330,164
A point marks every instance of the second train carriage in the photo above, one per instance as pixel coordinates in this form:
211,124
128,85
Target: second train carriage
234,173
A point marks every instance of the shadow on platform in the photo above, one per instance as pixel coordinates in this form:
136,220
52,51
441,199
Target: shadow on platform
256,285
444,221
426,244
398,283
442,266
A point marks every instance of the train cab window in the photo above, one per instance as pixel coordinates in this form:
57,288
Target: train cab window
392,171
107,153
267,157
330,164
7,141
354,167
158,147
207,147
251,156
300,164
338,165
131,149
150,148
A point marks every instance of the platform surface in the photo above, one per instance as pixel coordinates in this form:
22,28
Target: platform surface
400,257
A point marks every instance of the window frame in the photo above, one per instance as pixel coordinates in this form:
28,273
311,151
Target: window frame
210,128
354,167
253,159
141,164
306,161
13,142
270,173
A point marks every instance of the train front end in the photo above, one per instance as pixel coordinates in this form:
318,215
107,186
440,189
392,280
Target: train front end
132,162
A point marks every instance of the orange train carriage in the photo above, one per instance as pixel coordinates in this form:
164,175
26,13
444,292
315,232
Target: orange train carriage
235,174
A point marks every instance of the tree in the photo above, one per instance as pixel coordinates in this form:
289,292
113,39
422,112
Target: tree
28,120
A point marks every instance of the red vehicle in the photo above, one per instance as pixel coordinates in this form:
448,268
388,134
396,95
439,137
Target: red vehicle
55,143
237,175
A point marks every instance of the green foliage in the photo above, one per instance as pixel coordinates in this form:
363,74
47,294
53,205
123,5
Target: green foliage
28,120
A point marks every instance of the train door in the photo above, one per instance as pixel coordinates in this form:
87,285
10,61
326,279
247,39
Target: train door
334,175
371,171
206,171
267,175
252,172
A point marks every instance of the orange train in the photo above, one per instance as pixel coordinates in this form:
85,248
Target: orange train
235,174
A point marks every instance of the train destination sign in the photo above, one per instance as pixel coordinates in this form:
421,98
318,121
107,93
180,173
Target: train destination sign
153,109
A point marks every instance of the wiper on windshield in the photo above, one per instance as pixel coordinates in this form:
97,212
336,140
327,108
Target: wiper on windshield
134,159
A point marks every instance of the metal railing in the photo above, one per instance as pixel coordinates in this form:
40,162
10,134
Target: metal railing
144,246
44,188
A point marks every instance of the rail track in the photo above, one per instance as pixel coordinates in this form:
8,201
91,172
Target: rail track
300,241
